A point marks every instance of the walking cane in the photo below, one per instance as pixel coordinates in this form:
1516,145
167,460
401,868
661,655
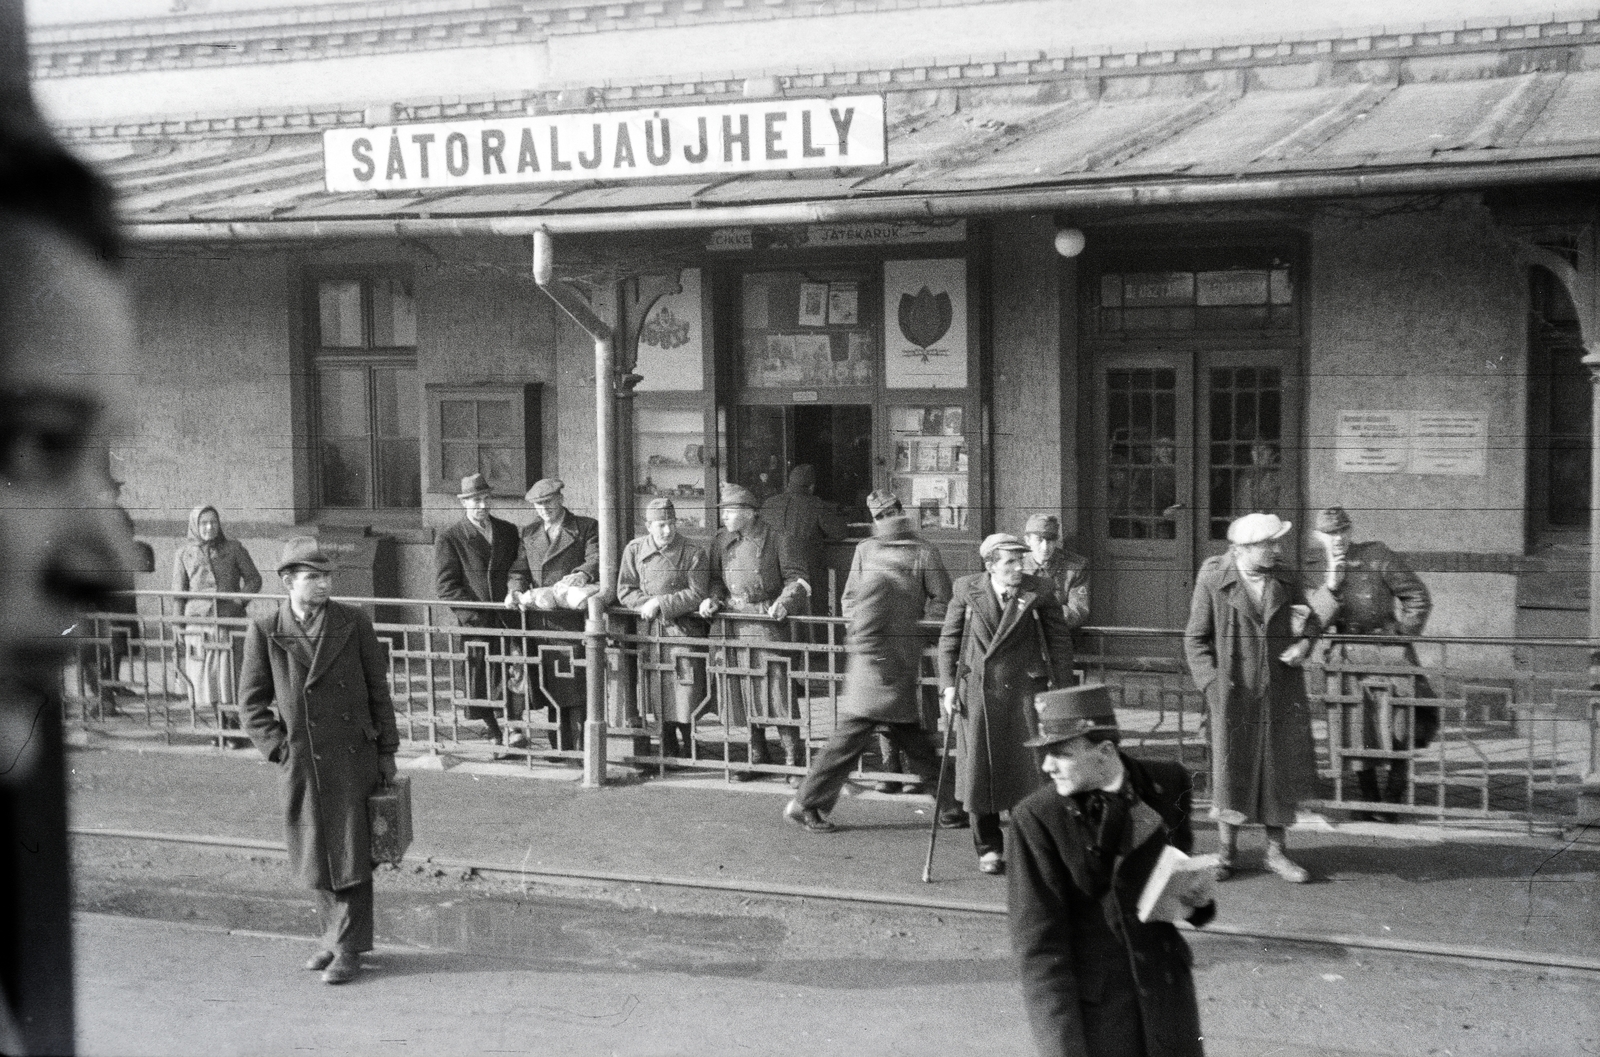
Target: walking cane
938,791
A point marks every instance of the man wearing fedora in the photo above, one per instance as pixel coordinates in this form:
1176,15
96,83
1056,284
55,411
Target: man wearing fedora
472,563
880,683
1004,640
1097,981
1244,654
1368,589
1068,572
314,696
927,567
559,549
753,572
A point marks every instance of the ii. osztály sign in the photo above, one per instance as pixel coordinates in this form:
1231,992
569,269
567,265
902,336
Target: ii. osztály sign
771,136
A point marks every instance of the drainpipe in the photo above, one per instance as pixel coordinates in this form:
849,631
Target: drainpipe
594,627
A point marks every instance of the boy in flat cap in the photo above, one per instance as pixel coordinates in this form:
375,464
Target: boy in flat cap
1245,655
559,549
666,577
1368,589
314,697
1004,640
1097,981
1069,572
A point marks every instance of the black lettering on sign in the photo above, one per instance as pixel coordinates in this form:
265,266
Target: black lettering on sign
527,157
775,134
493,146
592,159
841,125
666,139
556,163
696,157
455,153
806,149
624,146
396,169
422,139
361,151
729,138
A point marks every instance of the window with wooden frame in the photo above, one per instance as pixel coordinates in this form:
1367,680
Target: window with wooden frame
366,408
495,430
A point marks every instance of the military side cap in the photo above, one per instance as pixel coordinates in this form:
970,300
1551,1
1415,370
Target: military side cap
1046,525
473,484
660,509
1000,541
738,495
1332,520
896,530
548,488
1071,713
880,502
1258,528
304,551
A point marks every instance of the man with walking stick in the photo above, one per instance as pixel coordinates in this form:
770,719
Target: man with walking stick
880,683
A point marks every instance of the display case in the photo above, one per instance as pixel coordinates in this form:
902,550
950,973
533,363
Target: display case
671,459
931,469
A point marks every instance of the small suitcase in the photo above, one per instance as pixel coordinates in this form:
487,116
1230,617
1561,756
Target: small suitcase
389,813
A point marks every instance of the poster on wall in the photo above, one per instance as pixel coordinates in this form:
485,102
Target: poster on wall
671,353
1449,443
1373,441
925,324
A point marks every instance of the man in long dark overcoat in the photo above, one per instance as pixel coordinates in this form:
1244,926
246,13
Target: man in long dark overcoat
1245,655
472,563
559,549
880,682
314,695
1097,981
1004,640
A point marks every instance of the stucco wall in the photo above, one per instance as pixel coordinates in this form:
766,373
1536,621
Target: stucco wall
1419,311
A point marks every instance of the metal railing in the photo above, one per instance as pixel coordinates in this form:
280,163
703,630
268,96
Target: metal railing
1513,744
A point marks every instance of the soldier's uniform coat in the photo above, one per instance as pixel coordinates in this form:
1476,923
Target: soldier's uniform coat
680,575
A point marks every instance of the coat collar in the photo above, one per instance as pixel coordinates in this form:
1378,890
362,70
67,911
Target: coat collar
335,633
1273,597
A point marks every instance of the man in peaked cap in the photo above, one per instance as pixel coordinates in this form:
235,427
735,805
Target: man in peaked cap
1368,589
1004,640
1244,653
1096,980
314,697
472,562
929,571
1069,572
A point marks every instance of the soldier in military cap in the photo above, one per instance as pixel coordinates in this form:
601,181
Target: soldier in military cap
928,569
559,549
666,577
1069,572
1004,640
1368,589
753,572
1096,980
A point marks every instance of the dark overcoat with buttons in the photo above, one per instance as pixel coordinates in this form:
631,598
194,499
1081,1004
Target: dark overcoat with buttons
324,718
1096,981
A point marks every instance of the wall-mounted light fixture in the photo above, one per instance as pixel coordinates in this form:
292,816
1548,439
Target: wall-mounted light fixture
1069,242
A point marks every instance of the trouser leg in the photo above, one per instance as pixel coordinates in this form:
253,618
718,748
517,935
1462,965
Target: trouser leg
831,767
758,744
567,734
793,753
345,916
987,833
1228,843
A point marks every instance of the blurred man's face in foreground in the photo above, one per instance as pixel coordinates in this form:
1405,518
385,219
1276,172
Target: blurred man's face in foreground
65,371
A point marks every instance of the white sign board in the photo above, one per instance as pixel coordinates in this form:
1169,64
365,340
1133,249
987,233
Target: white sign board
671,349
1373,441
1449,443
925,324
775,135
853,233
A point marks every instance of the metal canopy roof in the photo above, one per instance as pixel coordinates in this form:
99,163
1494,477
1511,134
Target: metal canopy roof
1206,136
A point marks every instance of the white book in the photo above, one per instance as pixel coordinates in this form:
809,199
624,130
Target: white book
1177,885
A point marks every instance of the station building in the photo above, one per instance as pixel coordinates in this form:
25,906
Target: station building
999,256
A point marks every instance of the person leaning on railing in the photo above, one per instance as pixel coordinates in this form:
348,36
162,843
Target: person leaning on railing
665,577
210,563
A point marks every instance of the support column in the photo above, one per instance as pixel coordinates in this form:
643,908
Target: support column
1589,793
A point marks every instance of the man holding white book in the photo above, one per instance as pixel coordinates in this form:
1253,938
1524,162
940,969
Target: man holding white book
1097,980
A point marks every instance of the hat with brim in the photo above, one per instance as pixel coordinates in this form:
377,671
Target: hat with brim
1071,713
547,488
1332,520
303,552
472,485
1001,541
738,495
1258,528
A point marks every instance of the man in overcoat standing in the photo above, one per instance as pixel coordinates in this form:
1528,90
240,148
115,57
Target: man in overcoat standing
1245,655
314,695
880,682
1097,981
472,563
559,549
1004,640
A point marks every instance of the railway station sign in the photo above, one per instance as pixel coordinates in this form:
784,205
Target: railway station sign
773,135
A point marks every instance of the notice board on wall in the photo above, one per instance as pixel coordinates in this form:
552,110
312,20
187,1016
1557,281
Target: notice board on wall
1441,443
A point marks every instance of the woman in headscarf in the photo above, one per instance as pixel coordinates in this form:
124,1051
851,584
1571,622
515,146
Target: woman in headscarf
211,563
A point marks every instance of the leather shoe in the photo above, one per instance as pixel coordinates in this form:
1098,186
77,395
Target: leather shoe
343,969
743,776
319,961
913,789
887,787
1285,867
955,818
807,818
990,862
